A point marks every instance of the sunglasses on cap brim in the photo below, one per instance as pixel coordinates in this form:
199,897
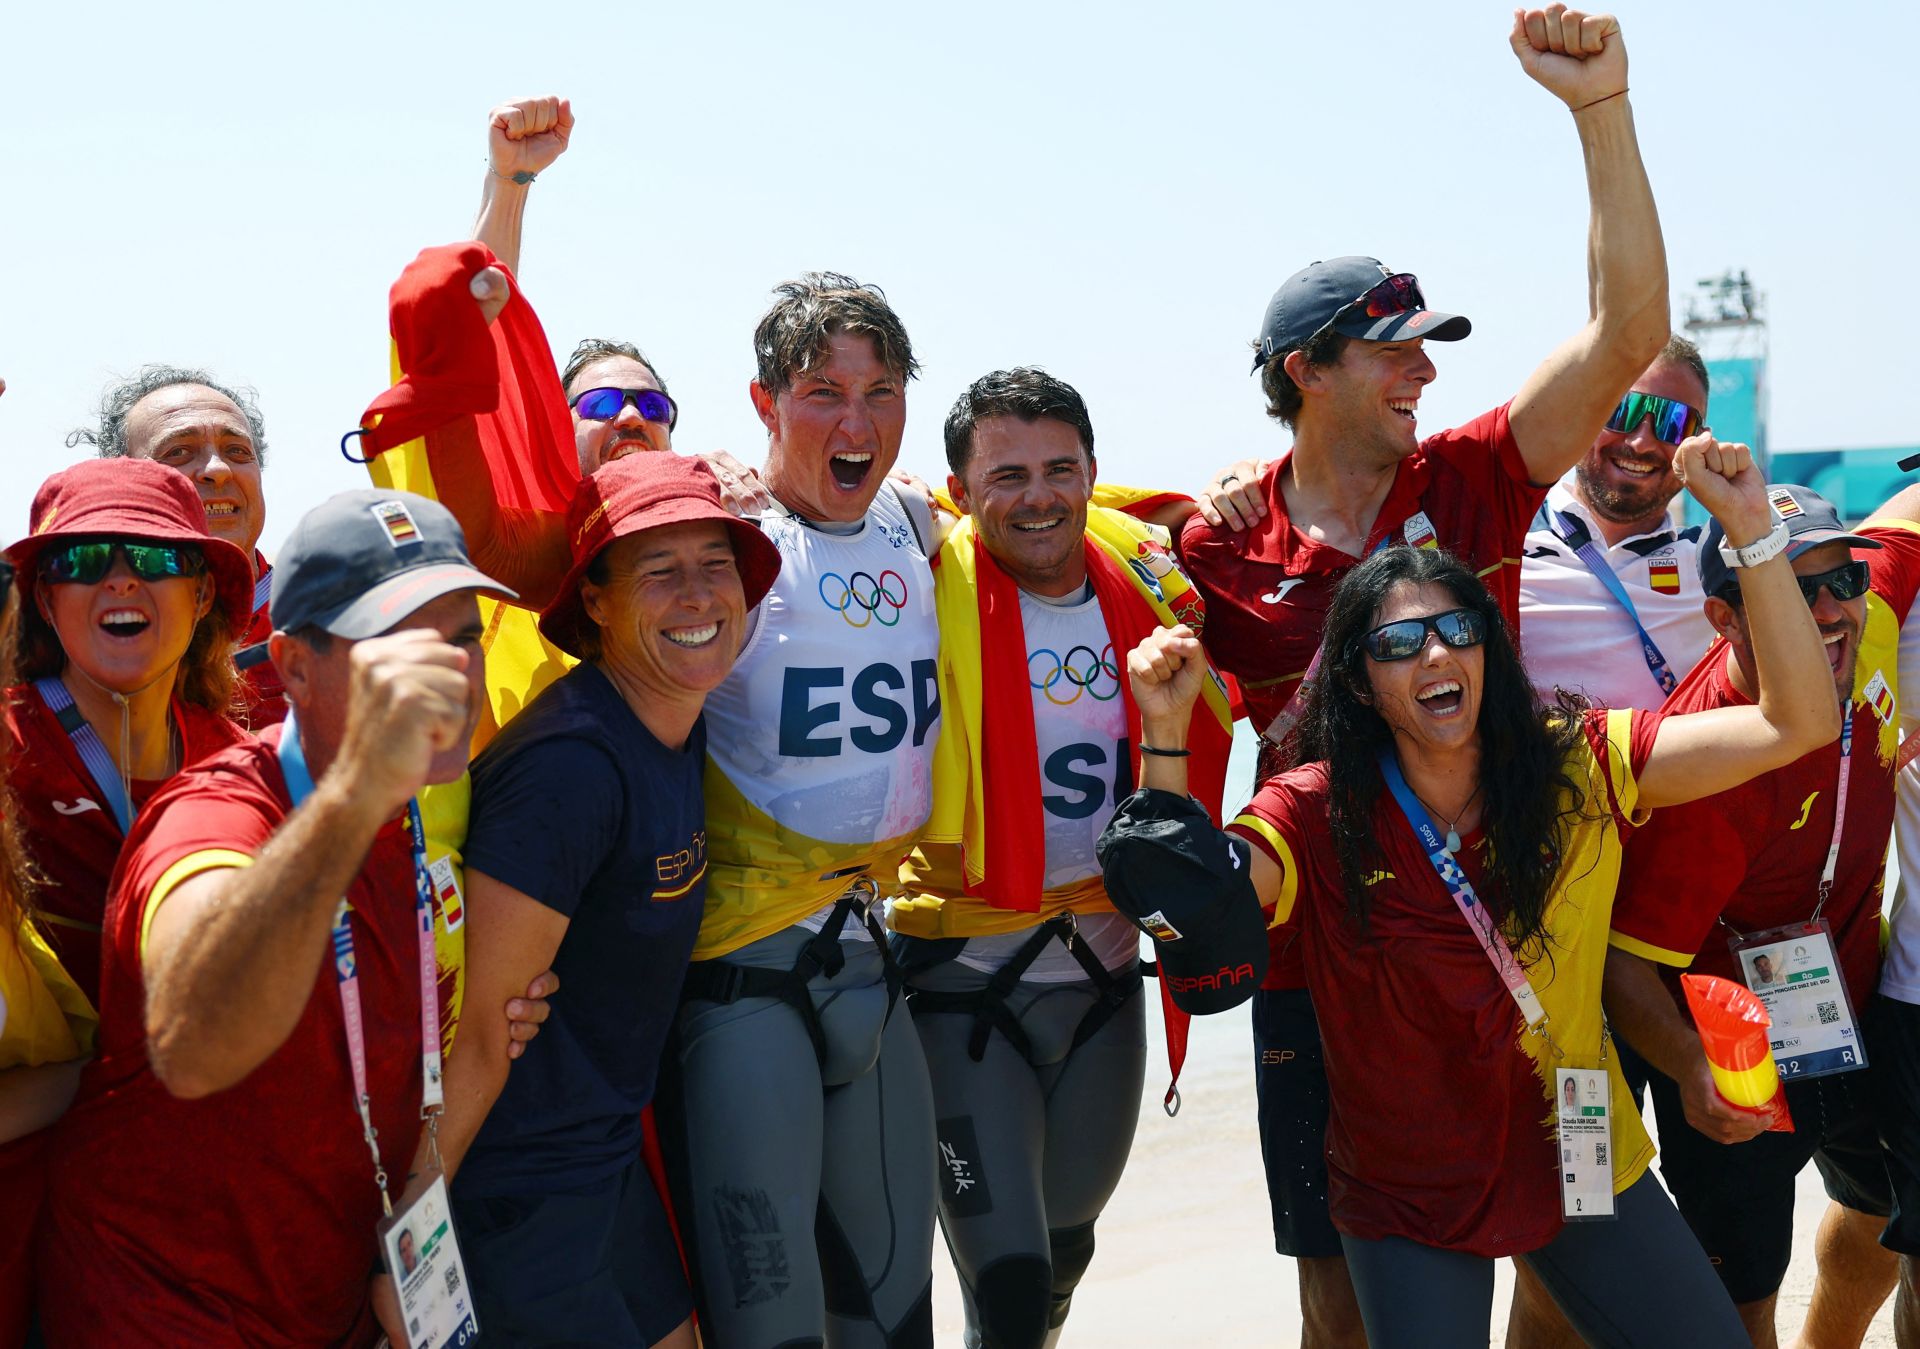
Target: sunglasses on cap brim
1673,421
1408,636
89,561
1849,581
603,405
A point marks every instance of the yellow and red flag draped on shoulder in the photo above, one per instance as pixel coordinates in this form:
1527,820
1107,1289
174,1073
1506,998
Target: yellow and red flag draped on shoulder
476,420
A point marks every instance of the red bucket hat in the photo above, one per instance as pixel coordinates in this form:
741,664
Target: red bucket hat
136,499
641,492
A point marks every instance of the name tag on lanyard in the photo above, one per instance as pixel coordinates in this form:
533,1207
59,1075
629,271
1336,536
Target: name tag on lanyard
1585,1100
1586,1138
418,1241
1795,974
423,1255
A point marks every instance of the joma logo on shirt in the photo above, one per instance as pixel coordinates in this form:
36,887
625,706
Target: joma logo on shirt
1806,809
673,866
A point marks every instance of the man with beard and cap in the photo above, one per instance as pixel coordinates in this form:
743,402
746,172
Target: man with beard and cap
1791,863
1341,361
1610,595
187,420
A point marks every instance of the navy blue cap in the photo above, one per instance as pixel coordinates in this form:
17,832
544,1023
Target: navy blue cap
1308,300
1811,521
360,562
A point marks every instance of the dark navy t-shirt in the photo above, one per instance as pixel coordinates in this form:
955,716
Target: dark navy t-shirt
576,805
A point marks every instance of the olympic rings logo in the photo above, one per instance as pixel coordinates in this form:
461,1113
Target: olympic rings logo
861,599
1081,671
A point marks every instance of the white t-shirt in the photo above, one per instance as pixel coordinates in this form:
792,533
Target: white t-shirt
1086,769
1573,632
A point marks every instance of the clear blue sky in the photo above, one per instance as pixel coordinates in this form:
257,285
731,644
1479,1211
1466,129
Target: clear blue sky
1109,191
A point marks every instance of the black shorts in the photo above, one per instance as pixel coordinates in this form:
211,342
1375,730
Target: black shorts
1290,1078
1893,1039
594,1267
1738,1197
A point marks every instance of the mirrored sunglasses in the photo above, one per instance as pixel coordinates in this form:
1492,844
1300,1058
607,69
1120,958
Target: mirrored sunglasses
1398,294
603,405
87,562
1673,421
1408,636
1849,581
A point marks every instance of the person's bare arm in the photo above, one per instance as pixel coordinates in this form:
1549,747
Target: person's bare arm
1582,61
1166,673
1701,753
524,136
510,939
32,1098
1642,1010
231,955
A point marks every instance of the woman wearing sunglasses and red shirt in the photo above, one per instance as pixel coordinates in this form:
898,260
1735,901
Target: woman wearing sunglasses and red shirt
124,652
1450,849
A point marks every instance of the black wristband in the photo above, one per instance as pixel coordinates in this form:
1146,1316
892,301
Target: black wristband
1166,753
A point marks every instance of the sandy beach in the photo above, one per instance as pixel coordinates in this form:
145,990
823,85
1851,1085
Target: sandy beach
1185,1251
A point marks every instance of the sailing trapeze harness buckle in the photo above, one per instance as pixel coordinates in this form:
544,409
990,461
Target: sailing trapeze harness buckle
988,1006
724,982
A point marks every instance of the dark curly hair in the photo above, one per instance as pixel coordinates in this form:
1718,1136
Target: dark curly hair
793,336
1529,795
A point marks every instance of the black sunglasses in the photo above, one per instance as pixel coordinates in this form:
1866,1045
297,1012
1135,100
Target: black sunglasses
1408,636
603,405
1849,581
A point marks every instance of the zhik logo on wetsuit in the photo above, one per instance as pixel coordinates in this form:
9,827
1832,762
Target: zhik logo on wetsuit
963,1182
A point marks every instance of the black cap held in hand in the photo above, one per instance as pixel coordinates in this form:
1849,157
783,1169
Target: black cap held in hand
1189,886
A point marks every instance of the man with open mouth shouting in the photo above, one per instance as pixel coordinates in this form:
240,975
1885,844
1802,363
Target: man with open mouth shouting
1342,361
793,1102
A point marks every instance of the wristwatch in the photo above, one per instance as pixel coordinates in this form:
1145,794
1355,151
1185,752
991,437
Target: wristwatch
1774,544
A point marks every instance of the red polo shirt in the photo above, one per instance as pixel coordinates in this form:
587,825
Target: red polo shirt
1267,589
1753,854
246,1217
70,830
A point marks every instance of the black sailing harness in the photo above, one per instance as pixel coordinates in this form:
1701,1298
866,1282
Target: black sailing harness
725,983
988,1006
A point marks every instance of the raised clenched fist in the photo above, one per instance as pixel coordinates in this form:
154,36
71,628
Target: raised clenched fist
1578,57
525,135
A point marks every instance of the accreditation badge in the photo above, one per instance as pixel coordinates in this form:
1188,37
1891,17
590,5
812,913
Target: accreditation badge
423,1256
1792,970
1584,1099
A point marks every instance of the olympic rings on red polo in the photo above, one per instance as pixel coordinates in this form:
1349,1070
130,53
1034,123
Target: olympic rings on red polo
1081,670
861,599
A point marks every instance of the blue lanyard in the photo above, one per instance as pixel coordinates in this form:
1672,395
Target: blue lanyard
92,751
1461,890
1567,530
293,766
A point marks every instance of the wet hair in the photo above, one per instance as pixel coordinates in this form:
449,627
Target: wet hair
109,439
793,336
593,349
1527,794
1028,393
206,677
1325,347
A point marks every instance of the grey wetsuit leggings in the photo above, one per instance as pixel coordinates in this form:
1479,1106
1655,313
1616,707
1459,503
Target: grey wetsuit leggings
1640,1281
1030,1152
804,1193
